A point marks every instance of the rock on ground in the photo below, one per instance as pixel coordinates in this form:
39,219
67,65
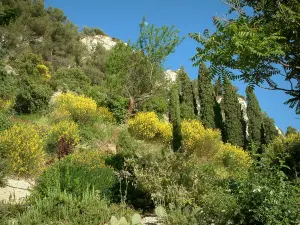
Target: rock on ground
15,190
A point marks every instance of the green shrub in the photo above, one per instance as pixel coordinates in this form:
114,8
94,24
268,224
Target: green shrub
118,106
59,207
76,173
22,147
5,123
63,138
266,197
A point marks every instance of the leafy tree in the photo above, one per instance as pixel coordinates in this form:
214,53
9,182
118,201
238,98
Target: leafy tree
269,131
207,98
259,45
175,117
136,70
233,124
255,117
185,95
291,130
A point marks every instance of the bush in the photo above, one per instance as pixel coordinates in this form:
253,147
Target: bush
234,159
60,207
76,173
105,114
266,197
63,138
118,106
22,146
4,121
285,150
197,139
43,71
147,126
81,108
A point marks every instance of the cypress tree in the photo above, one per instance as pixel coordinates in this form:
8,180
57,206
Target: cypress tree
186,95
233,124
175,118
255,117
207,97
269,131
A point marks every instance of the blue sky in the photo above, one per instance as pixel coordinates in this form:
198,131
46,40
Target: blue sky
121,19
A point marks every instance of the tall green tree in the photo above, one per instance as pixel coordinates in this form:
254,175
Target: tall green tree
255,117
269,131
207,97
175,117
259,44
185,95
291,130
233,124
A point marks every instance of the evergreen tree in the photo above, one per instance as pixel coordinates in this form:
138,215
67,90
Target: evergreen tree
269,131
255,117
233,124
291,130
186,95
175,118
207,97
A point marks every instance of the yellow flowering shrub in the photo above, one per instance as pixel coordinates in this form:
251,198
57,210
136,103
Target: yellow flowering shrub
23,147
90,158
44,71
197,139
5,105
234,158
63,136
147,126
81,108
105,114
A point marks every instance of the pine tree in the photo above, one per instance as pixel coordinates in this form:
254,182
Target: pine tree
255,117
269,131
207,97
175,117
185,95
233,124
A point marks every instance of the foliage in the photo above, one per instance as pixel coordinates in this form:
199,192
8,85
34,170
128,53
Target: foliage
175,118
22,146
207,97
235,160
233,128
157,104
147,126
63,207
197,139
135,220
73,79
105,114
5,122
266,198
269,131
255,117
265,37
44,71
291,130
76,173
118,106
88,31
80,108
185,95
285,150
63,138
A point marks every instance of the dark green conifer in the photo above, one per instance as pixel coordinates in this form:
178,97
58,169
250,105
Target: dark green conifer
255,118
185,95
207,97
291,130
175,117
269,131
234,123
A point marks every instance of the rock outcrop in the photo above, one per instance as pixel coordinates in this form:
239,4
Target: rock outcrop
92,41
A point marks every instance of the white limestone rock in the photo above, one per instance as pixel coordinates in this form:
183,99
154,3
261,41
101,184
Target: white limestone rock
92,41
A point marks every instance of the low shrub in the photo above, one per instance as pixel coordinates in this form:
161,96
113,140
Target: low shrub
61,207
76,173
5,122
196,139
105,115
119,107
63,138
285,150
147,126
22,146
81,108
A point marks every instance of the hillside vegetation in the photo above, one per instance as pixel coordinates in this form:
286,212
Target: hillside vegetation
108,139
